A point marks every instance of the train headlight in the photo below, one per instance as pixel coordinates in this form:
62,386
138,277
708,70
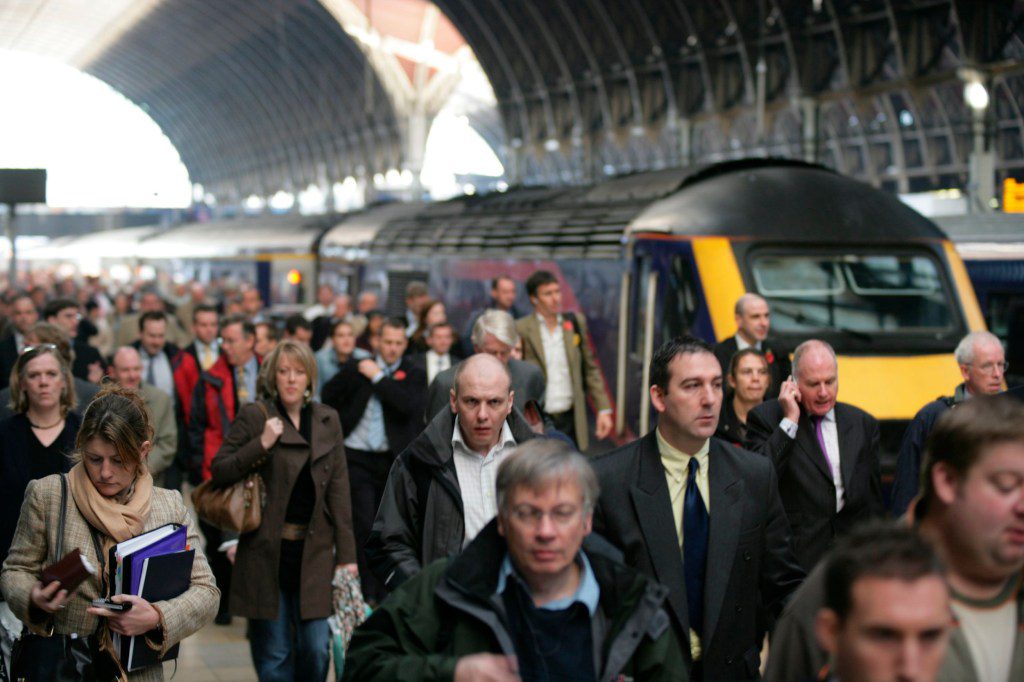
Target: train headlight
294,277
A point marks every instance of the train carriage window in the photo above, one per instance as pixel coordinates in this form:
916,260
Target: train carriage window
868,293
680,299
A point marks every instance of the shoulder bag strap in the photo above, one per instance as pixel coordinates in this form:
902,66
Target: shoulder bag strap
63,516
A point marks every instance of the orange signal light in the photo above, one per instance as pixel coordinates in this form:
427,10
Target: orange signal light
294,277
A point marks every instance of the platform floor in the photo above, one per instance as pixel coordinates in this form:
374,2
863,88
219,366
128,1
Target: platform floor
217,653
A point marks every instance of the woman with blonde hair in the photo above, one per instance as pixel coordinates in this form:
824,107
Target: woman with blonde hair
110,498
282,575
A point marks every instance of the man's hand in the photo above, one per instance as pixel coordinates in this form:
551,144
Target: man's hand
604,426
789,398
272,430
486,668
369,368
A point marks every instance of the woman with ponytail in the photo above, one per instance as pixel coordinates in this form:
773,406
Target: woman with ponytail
110,499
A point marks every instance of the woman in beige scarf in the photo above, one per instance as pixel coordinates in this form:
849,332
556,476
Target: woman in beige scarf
112,492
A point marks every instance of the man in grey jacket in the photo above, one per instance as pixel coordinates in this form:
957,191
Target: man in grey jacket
440,491
971,510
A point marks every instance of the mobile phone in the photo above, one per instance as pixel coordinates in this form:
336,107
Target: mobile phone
112,605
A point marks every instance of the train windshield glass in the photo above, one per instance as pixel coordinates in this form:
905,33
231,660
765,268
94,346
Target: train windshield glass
856,293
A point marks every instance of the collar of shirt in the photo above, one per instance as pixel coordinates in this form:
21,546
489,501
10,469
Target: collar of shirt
19,342
391,369
212,347
676,461
830,416
588,593
251,368
505,440
543,322
741,343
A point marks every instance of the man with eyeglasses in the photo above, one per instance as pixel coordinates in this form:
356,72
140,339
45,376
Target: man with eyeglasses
440,491
532,597
983,367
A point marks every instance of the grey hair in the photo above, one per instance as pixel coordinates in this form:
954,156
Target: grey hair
498,324
541,461
741,302
473,360
964,352
807,346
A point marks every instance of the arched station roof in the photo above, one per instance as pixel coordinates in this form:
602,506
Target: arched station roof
259,95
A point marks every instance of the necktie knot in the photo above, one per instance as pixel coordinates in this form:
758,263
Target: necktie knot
693,466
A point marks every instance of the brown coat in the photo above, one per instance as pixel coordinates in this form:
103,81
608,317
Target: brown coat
255,587
35,546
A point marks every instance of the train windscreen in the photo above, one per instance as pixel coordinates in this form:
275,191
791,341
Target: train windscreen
855,293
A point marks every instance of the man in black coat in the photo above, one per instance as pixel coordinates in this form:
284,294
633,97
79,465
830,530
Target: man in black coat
825,453
753,322
66,314
701,516
23,316
380,402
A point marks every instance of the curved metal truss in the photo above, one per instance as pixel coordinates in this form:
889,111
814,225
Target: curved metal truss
256,96
870,87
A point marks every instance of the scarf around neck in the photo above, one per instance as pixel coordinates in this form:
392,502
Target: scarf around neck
118,520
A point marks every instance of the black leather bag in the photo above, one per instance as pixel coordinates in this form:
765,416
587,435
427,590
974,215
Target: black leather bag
61,658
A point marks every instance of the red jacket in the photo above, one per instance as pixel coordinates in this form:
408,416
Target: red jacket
212,408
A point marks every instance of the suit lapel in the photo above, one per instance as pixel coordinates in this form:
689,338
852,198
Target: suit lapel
808,442
726,489
849,444
571,351
654,512
534,339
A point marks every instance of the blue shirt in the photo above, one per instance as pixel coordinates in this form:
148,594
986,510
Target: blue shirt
370,435
588,593
327,365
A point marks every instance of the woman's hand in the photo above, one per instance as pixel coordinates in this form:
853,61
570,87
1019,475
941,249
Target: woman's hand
51,598
272,430
351,568
138,620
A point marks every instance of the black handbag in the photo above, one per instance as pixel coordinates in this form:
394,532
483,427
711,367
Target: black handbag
62,658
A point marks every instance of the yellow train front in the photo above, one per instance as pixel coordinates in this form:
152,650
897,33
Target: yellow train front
836,259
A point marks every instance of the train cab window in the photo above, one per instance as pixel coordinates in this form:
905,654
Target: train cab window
681,299
856,293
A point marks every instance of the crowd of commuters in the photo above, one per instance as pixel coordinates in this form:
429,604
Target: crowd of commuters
441,465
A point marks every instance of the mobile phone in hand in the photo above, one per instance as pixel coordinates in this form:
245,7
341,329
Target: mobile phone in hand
112,605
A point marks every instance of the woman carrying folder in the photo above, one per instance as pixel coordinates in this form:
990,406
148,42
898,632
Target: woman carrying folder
111,499
283,570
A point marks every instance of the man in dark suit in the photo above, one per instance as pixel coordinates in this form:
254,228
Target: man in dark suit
160,357
379,401
66,314
440,354
701,516
23,316
753,322
825,453
495,334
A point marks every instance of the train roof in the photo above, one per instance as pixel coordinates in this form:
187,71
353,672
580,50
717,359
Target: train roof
986,236
249,236
121,243
352,236
783,200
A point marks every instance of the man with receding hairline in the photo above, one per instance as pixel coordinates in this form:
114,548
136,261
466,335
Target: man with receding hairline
440,491
126,369
753,324
825,453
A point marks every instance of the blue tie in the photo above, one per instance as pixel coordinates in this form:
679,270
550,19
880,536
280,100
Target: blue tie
695,547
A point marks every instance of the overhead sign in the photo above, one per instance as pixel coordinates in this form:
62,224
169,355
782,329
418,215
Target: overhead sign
1013,196
22,186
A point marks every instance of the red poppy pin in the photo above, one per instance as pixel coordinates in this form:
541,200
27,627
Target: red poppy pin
399,375
567,326
770,357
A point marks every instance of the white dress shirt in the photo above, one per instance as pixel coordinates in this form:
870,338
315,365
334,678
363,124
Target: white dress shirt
162,375
558,397
437,364
477,476
741,344
830,434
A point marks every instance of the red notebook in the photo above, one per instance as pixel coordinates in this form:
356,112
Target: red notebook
70,572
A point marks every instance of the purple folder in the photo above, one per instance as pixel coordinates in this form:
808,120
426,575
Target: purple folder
175,542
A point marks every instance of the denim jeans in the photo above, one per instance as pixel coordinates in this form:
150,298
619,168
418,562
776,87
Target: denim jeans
287,648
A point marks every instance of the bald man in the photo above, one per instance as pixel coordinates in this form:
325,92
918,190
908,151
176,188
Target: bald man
825,453
441,489
753,323
126,369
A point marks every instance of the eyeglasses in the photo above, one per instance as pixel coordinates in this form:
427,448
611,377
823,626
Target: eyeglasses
39,347
992,367
531,516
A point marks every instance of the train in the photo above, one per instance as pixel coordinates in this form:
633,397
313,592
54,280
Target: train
646,257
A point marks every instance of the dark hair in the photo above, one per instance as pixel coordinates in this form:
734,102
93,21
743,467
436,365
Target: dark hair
273,333
964,433
295,322
337,323
440,325
496,280
416,288
20,294
52,308
248,329
203,308
878,549
539,279
680,345
740,354
151,316
118,415
394,323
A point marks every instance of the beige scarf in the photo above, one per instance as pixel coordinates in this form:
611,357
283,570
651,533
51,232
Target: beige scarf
117,519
